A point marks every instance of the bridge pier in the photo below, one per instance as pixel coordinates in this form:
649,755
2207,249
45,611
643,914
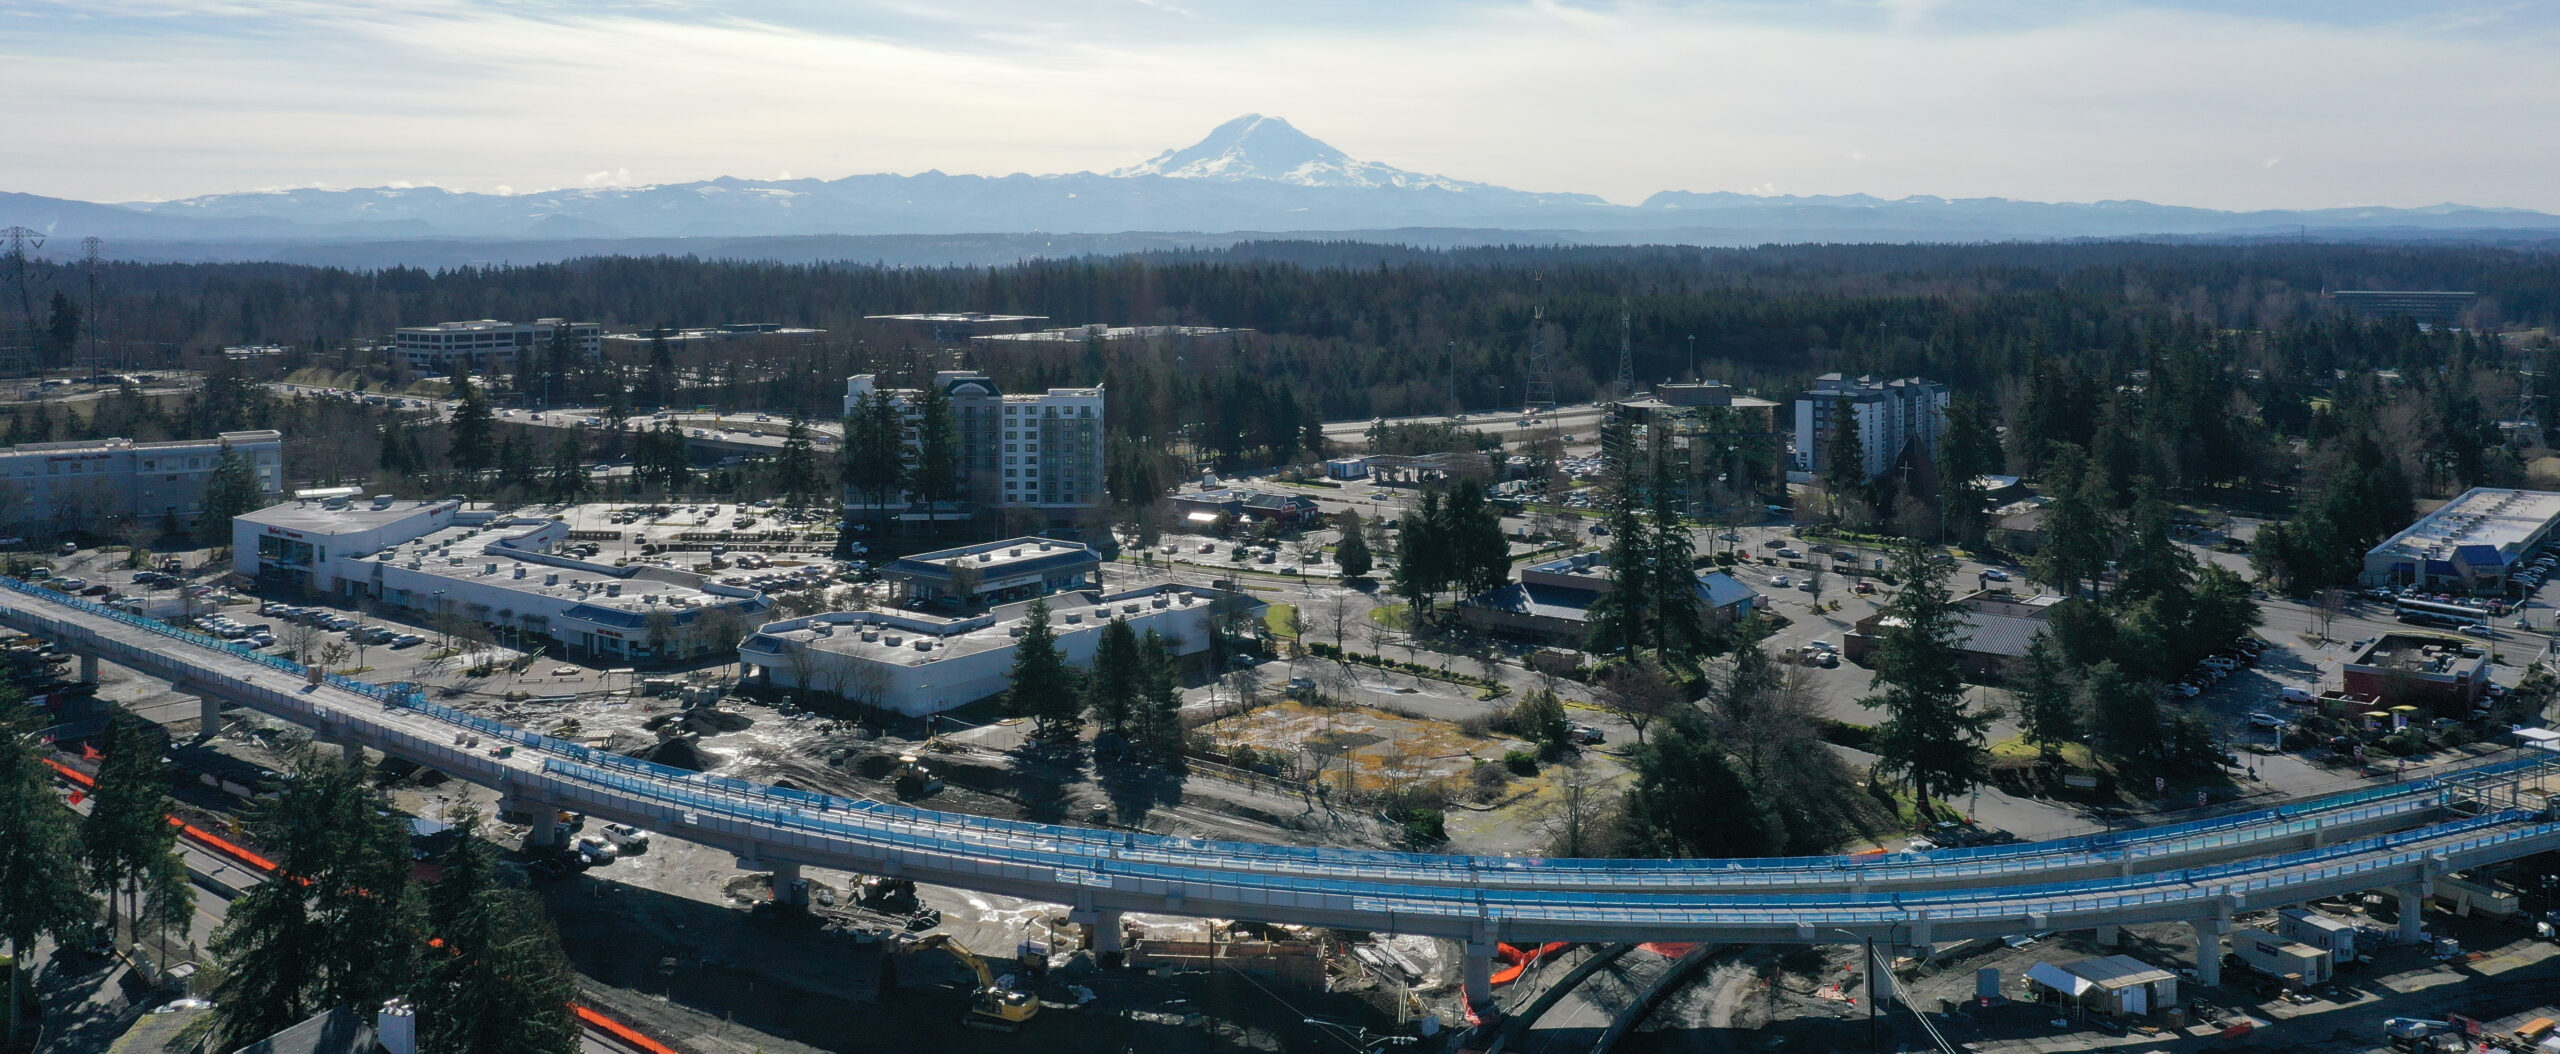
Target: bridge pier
542,822
209,717
2108,936
2209,949
1101,933
88,669
2413,910
1479,979
789,889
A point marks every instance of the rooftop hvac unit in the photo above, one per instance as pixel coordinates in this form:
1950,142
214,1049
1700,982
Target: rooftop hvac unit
519,570
383,501
488,569
822,629
1159,601
892,639
1014,552
551,579
1015,632
613,589
648,598
986,557
1074,619
1128,609
871,634
924,644
1102,614
1044,547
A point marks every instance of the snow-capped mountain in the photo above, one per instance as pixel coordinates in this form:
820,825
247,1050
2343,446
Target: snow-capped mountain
1258,147
1251,174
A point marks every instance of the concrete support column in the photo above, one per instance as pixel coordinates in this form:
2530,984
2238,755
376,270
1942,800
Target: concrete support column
543,827
1879,986
1479,979
351,752
1107,944
787,889
210,716
2109,936
88,669
2209,949
2413,912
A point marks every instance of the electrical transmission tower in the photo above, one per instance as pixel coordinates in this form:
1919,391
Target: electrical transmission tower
23,240
1539,393
89,247
1626,351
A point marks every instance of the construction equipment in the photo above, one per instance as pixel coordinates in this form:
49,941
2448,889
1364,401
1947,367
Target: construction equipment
913,778
991,1005
888,896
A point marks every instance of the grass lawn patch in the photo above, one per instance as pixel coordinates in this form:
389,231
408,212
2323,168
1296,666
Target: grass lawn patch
2073,755
1278,620
1393,616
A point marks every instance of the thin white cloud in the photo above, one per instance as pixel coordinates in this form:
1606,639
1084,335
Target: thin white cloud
2077,102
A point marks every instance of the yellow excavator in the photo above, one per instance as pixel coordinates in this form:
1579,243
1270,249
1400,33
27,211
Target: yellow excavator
991,1006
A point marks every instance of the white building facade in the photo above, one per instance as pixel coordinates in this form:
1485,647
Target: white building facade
487,342
86,485
438,558
917,664
1036,452
1888,417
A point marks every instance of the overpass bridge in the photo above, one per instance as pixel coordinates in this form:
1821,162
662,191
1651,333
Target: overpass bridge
2398,837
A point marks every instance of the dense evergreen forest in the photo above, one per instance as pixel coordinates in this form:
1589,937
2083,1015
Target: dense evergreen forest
2196,366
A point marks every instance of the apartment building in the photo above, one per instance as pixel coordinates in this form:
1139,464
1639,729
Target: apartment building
1888,417
86,484
487,342
1040,452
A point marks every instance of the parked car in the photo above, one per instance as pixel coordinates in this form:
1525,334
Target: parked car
1995,574
2262,719
2475,629
1782,581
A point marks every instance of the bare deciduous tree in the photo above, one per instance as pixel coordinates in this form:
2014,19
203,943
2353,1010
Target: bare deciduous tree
1641,691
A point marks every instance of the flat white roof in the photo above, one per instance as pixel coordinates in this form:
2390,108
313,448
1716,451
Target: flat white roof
316,517
2491,516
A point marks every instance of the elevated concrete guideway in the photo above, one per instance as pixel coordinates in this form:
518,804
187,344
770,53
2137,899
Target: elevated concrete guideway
1476,900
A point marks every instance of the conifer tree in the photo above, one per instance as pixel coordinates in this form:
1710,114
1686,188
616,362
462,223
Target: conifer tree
1043,687
495,979
1928,735
337,924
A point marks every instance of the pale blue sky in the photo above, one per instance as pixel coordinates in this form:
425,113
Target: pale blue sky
2272,103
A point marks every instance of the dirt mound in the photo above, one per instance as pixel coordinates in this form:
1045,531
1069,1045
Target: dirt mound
680,752
701,722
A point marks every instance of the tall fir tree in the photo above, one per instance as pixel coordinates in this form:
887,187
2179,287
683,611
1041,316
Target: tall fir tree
1112,689
935,472
495,979
2045,689
1042,686
1928,736
874,458
338,924
42,892
1158,717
